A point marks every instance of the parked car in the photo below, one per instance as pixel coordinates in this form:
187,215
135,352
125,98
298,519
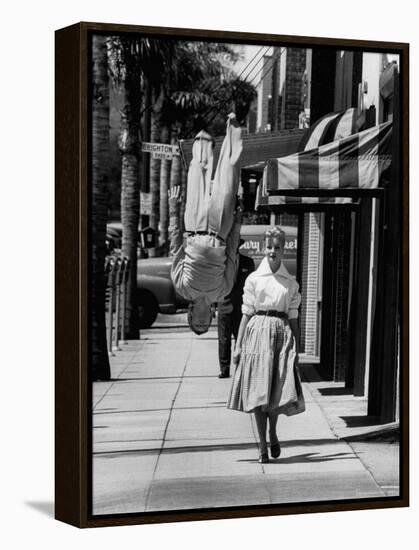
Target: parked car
155,291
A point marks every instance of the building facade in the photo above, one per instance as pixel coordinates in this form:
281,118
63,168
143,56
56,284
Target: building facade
344,316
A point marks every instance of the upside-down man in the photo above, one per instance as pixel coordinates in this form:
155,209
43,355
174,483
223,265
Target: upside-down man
204,266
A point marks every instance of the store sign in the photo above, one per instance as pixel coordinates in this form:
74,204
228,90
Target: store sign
160,148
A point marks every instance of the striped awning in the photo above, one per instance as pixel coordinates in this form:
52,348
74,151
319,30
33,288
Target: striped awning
352,162
332,127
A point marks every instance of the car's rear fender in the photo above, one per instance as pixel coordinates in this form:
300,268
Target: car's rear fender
161,288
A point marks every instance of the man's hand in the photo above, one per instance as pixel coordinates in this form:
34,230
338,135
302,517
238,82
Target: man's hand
174,199
236,356
238,213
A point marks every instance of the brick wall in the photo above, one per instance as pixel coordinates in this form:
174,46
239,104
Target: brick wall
291,103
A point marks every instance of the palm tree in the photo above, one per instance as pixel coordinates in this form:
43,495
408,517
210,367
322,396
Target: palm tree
165,170
233,94
100,156
155,163
127,77
133,61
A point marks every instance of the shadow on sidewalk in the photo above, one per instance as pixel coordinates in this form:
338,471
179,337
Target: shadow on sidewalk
330,391
151,377
358,421
307,458
214,447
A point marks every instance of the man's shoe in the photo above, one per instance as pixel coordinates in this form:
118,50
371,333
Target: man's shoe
224,375
275,450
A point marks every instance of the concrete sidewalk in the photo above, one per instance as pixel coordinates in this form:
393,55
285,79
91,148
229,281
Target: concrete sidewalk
163,438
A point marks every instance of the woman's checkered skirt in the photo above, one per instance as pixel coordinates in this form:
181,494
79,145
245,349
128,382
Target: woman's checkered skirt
267,375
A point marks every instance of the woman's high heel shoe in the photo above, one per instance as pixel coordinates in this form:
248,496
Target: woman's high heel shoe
263,458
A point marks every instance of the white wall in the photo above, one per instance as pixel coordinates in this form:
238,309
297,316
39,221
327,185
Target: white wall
371,69
372,64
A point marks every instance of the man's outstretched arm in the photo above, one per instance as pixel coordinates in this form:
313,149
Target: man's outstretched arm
176,250
175,236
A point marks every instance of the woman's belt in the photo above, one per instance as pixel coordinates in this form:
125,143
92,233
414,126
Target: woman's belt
272,313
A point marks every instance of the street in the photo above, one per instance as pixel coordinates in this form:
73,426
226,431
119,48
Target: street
164,440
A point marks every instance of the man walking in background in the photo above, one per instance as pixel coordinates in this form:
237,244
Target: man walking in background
229,314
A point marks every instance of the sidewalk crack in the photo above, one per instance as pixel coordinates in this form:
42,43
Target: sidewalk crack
147,498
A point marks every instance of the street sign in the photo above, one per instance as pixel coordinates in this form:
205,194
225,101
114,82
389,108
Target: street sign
164,156
161,148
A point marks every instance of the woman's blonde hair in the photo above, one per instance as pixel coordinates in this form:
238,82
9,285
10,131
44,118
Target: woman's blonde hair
275,232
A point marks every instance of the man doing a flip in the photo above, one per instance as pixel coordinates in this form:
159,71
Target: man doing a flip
204,266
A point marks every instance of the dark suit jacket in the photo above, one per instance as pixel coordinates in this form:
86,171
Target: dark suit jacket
233,301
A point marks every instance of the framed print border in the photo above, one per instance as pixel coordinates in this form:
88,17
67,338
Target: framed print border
73,424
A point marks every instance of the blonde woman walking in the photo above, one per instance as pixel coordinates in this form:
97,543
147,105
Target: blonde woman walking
266,380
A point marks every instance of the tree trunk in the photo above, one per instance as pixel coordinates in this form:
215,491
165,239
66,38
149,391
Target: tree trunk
155,164
155,137
130,195
164,186
176,179
100,165
145,157
155,172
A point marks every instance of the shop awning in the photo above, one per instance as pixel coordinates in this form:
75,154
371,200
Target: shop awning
325,173
332,127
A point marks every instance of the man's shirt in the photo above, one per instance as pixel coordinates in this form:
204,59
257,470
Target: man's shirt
203,267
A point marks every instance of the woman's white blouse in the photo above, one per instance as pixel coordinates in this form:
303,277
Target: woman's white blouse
265,290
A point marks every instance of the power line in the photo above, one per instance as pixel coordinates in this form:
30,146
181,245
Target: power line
221,84
255,65
238,77
274,60
254,57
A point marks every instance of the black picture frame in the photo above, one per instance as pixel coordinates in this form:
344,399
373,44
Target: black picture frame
72,248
